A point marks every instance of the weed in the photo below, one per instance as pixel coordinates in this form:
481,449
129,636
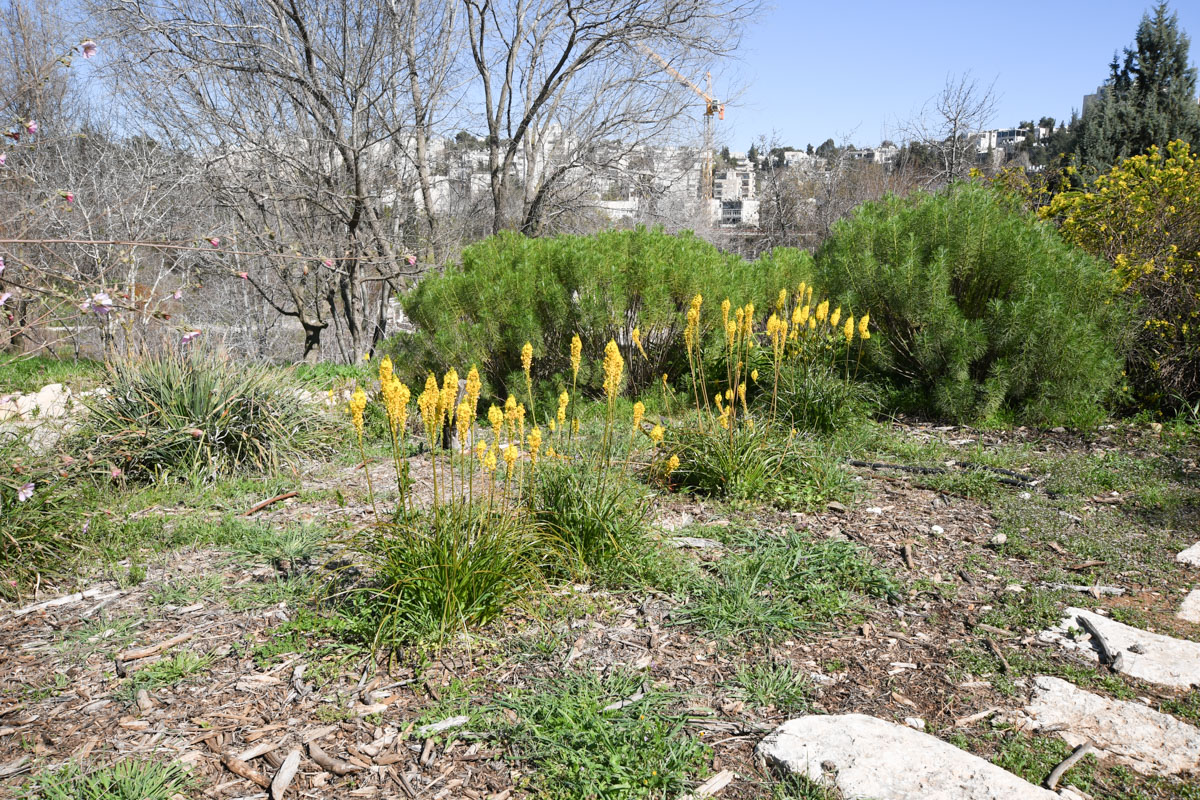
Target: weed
185,591
294,591
775,684
1034,757
581,751
282,547
790,583
177,668
798,787
125,780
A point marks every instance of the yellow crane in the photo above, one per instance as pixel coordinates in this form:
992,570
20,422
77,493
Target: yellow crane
712,108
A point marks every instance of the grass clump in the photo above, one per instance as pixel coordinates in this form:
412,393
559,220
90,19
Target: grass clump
200,416
437,573
786,584
127,780
775,684
581,751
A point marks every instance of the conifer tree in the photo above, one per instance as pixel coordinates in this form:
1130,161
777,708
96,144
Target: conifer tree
1149,98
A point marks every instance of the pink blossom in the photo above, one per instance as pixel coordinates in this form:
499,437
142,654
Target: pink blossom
4,297
244,275
215,242
69,197
178,295
3,158
24,493
100,302
1,265
31,126
115,473
88,48
412,261
328,263
189,336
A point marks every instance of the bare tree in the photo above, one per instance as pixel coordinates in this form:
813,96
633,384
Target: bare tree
945,125
563,81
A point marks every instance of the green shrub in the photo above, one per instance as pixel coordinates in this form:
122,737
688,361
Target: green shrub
435,574
979,310
127,780
595,519
510,289
199,416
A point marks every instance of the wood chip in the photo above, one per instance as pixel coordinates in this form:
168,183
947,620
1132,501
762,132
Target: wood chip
283,778
154,649
326,761
711,786
262,748
244,770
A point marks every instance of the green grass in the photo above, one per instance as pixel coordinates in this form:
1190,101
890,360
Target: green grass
1034,757
101,635
783,585
185,591
798,787
578,751
775,684
295,591
27,374
127,780
283,547
177,668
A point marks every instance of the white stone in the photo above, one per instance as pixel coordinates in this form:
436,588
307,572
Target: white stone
871,758
916,723
1162,659
1146,740
1189,611
697,542
1190,556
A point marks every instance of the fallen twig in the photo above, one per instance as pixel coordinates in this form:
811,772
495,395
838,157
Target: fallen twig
87,594
1068,762
244,770
265,503
970,719
334,765
154,649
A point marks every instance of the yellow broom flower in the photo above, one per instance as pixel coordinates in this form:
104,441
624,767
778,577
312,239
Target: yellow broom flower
639,411
576,354
849,332
863,333
614,366
656,435
835,317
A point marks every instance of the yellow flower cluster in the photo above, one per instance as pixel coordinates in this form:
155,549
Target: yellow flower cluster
576,356
358,403
614,367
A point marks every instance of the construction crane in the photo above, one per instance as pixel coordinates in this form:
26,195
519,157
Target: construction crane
712,108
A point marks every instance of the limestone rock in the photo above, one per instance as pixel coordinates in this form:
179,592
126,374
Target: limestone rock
1150,656
1146,740
872,758
1189,611
1190,556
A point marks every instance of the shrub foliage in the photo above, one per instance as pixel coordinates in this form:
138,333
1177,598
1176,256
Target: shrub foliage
984,311
1144,218
510,290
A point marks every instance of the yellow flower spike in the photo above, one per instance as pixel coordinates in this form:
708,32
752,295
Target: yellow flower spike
448,394
754,375
637,341
849,332
800,292
804,314
740,318
835,317
575,425
527,358
731,330
385,371
725,313
535,445
550,452
510,407
481,448
511,454
576,354
563,400
614,366
496,418
729,395
812,323
808,298
489,460
639,411
781,301
358,403
463,417
863,333
553,427
672,464
796,316
656,435
474,386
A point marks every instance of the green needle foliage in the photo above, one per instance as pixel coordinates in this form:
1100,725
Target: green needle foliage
982,310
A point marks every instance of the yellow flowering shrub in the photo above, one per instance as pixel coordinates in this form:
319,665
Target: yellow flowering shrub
1143,216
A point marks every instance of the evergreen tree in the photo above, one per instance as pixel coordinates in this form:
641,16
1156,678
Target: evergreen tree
1149,98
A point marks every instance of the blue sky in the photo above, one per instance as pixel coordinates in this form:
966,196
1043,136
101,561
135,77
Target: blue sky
814,70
